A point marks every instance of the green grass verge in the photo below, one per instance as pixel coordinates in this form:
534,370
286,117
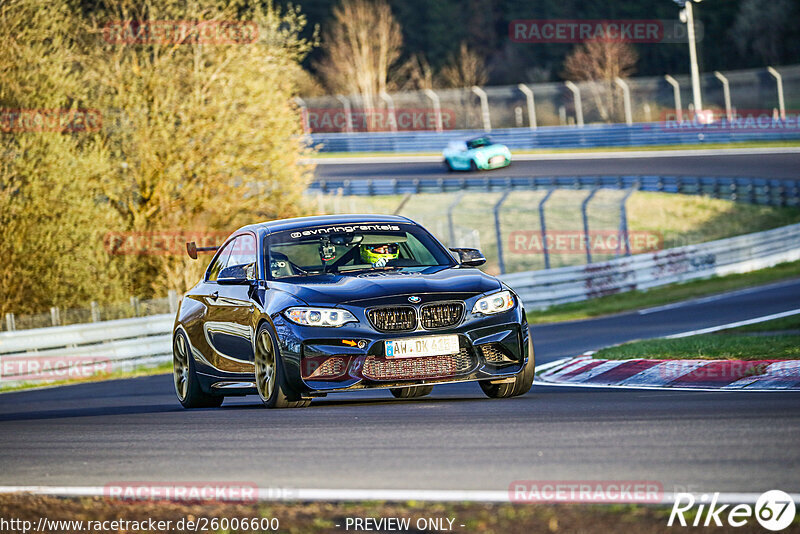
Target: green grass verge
708,347
634,300
697,146
141,371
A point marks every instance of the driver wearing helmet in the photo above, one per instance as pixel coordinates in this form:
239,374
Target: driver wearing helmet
379,255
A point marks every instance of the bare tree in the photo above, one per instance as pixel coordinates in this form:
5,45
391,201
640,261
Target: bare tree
361,47
465,69
601,62
416,73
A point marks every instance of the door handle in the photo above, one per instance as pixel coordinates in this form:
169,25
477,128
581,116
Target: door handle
215,295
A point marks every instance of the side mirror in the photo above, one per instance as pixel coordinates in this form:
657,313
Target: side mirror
469,257
192,249
235,275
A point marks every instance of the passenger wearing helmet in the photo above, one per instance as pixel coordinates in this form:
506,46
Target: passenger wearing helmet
379,255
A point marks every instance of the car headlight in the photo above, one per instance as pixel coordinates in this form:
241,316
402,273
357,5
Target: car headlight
494,303
319,316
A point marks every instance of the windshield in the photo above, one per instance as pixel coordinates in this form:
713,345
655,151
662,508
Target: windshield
478,143
352,249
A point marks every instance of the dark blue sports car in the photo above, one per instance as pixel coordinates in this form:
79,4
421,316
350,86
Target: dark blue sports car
294,309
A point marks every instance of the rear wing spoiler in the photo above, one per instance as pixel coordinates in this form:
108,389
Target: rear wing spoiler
192,249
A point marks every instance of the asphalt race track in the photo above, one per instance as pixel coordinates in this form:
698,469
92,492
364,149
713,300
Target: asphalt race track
760,165
135,430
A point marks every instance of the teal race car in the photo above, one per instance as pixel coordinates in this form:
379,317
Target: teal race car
476,154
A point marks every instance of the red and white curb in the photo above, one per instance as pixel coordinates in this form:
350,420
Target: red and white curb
679,374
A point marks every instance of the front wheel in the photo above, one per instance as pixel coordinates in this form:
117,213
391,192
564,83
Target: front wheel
271,383
522,382
473,166
184,377
411,392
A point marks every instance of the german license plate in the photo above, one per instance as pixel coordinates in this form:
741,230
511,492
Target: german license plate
496,160
415,347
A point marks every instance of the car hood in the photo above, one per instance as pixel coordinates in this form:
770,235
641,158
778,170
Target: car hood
491,150
332,289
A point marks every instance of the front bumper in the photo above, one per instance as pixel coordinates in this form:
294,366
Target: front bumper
502,161
319,360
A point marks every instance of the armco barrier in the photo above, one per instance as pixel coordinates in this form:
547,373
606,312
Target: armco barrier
589,136
772,192
125,343
121,344
541,289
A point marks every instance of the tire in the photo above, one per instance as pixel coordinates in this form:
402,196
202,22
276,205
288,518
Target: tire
448,166
411,392
184,377
522,382
473,166
270,377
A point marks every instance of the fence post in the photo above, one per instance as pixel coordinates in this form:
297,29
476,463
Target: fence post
779,83
55,316
450,224
623,222
726,94
172,298
543,228
576,92
348,116
403,203
390,106
437,108
487,123
626,99
676,92
135,306
531,107
587,239
11,324
95,312
497,230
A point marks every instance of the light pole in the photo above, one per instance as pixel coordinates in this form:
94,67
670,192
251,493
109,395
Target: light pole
687,17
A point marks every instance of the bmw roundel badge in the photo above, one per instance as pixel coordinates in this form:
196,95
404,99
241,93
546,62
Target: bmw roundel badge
414,299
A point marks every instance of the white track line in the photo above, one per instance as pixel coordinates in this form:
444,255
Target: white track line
400,158
399,495
719,296
717,328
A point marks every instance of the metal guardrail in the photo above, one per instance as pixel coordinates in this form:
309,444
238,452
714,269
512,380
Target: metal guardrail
67,350
541,289
589,136
125,343
774,192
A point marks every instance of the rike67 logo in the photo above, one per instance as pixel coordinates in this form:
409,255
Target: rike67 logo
774,510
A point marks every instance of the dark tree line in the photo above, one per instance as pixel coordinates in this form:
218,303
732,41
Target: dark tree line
738,33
